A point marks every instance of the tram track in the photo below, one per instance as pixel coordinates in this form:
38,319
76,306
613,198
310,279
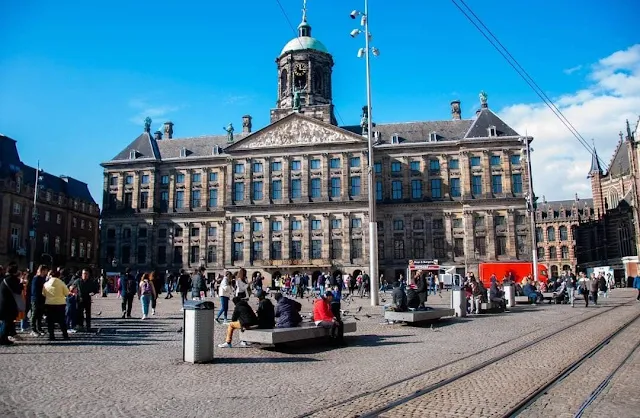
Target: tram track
562,377
374,396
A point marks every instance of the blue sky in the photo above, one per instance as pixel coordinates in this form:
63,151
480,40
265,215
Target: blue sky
77,78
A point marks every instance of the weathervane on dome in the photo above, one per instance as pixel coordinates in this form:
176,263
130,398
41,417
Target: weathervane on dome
304,10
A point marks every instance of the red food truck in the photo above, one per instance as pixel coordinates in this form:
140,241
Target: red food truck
517,269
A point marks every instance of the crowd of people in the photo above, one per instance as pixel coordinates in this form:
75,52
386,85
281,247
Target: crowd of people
53,295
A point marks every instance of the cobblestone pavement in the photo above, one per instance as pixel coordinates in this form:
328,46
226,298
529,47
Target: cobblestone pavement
568,396
485,393
134,368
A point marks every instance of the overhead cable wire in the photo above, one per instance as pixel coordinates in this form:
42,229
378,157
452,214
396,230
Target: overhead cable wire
502,50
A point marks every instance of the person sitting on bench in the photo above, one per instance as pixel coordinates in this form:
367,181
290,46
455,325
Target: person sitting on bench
243,318
287,312
398,301
531,293
496,295
266,314
413,300
323,317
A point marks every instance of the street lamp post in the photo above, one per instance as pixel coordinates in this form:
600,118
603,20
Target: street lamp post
373,225
530,206
34,219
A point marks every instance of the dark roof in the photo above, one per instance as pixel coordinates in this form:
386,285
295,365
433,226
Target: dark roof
485,119
8,155
144,146
620,163
199,146
446,130
595,164
10,163
556,205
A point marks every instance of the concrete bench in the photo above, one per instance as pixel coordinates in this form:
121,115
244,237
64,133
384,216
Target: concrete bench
307,331
418,316
489,307
525,299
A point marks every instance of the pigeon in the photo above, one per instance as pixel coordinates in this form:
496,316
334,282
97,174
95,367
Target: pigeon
179,330
383,300
367,315
99,313
359,309
356,318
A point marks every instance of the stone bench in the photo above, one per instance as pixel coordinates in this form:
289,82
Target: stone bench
489,307
307,331
418,316
524,299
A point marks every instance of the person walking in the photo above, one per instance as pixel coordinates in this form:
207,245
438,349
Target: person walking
37,301
128,290
225,292
157,287
636,285
171,278
86,289
198,285
10,303
593,283
583,288
184,285
241,284
146,293
570,286
55,293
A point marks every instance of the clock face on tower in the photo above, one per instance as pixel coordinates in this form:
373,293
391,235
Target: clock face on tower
300,69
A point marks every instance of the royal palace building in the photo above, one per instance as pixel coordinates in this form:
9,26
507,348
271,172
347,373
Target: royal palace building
292,196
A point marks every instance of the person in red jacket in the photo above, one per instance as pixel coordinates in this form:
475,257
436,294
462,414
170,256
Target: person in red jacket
323,317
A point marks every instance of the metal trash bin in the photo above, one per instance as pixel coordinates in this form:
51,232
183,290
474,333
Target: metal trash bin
197,335
459,301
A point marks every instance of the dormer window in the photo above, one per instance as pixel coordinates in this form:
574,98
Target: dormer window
376,136
216,149
493,132
433,137
183,152
133,154
395,139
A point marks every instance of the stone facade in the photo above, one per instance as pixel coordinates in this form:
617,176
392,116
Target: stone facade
67,216
293,195
555,232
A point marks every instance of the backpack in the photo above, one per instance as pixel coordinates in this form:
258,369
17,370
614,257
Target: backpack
130,285
146,288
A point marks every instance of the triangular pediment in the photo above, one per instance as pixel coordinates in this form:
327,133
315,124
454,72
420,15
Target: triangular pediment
296,130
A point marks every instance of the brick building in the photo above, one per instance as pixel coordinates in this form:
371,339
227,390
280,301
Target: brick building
613,237
66,232
555,224
292,196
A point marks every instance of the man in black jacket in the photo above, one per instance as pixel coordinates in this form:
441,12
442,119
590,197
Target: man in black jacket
287,312
86,289
421,289
184,285
266,313
128,291
37,300
243,318
10,290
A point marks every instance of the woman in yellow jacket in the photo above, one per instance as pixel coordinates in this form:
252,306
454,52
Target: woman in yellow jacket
55,293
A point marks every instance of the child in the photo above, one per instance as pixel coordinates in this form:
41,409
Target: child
70,310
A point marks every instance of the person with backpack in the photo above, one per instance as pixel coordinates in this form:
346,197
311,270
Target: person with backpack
146,293
128,290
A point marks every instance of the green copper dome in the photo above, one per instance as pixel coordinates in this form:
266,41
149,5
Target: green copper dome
304,42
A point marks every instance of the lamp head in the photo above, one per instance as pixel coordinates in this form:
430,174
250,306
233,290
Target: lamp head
354,14
355,33
375,51
360,52
363,20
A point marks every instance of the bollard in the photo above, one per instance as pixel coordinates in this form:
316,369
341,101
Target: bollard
510,295
459,301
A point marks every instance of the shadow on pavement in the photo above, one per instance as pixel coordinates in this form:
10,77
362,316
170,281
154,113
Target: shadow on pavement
326,344
242,360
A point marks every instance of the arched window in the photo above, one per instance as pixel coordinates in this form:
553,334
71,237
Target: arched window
613,198
552,253
566,267
284,84
564,233
539,236
45,243
551,233
540,253
564,252
554,271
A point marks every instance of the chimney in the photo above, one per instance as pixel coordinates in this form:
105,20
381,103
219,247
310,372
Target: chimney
246,124
478,112
456,111
168,129
157,135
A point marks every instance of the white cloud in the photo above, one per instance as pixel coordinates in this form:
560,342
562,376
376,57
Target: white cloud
572,70
560,163
143,109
